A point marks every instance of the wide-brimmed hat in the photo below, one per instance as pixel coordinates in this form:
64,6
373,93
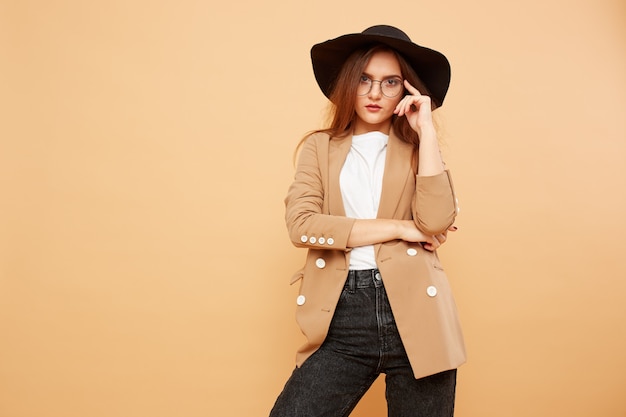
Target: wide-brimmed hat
431,66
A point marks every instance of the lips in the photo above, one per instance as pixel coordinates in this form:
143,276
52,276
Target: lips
373,107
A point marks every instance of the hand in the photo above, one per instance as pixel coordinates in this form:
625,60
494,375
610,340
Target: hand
417,109
411,233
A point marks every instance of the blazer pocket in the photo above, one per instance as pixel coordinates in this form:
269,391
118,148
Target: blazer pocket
296,277
437,266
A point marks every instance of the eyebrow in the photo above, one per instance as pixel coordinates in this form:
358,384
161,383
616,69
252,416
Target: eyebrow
384,78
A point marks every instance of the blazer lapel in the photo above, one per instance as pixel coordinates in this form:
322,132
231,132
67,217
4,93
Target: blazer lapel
397,171
337,152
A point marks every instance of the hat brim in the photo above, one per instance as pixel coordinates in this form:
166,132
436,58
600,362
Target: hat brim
431,66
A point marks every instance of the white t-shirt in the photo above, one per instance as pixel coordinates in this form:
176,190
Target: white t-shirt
361,182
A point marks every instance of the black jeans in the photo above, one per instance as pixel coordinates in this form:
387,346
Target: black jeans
362,343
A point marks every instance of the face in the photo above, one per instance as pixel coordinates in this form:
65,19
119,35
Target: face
374,110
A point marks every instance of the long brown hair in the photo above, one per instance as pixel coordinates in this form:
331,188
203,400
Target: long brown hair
341,113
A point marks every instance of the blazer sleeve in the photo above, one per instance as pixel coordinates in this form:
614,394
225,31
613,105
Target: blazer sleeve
434,206
307,223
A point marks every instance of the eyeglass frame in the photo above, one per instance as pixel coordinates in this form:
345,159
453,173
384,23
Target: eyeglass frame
380,83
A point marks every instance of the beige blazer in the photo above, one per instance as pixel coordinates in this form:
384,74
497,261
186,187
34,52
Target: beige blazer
414,279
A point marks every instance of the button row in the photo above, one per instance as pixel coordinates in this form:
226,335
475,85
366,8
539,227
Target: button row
312,240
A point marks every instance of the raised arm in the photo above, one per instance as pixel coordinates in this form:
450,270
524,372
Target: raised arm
434,207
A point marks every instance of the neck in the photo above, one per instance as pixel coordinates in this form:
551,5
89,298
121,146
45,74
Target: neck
361,127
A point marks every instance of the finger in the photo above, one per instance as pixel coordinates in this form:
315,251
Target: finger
438,240
431,246
400,109
413,103
407,104
411,89
452,228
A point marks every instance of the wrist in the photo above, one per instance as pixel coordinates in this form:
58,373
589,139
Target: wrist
401,228
427,132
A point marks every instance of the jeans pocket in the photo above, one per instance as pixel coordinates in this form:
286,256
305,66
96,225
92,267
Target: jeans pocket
345,294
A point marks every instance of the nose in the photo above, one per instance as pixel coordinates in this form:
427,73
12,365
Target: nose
376,89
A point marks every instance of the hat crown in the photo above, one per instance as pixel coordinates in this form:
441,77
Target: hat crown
387,31
431,66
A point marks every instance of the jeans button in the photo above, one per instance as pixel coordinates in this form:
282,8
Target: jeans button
377,276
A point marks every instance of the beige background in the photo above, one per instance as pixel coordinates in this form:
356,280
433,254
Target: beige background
145,151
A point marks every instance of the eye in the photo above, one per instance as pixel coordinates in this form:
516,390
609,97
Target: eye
393,82
364,79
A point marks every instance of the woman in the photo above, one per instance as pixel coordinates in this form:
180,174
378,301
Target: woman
372,201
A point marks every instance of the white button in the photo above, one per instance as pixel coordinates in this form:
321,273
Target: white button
321,240
377,276
312,239
304,238
431,291
411,251
330,241
300,300
320,263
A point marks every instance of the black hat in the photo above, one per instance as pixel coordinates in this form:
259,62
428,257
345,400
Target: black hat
432,67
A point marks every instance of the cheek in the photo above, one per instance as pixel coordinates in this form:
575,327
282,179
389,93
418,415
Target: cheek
391,105
360,100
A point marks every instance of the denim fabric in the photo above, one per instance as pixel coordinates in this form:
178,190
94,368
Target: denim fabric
362,343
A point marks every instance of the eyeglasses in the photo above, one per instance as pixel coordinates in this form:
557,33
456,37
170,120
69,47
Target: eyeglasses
390,87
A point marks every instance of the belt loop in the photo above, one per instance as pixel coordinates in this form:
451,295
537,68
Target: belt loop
352,282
